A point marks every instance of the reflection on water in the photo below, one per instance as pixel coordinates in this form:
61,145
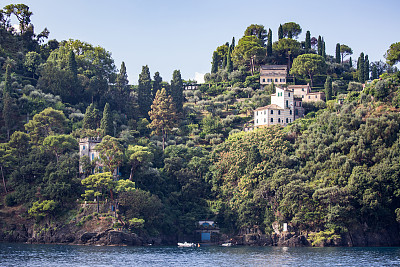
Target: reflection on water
62,255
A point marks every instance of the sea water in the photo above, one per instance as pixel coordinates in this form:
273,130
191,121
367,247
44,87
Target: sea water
65,255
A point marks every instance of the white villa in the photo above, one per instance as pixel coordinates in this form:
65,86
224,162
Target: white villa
304,92
284,109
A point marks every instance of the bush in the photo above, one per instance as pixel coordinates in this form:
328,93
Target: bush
10,200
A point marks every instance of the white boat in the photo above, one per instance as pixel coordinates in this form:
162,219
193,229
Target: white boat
226,244
186,245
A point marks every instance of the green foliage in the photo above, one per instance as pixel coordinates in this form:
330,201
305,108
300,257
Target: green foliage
256,30
308,64
41,209
144,92
291,28
393,54
328,88
98,184
337,58
106,123
307,44
111,153
177,90
60,144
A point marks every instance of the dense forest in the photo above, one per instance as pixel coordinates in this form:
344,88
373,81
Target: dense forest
182,155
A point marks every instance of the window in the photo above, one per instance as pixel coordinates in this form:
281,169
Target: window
257,120
289,94
265,112
299,104
272,112
287,120
276,80
296,112
83,148
315,96
302,96
308,97
265,120
287,103
302,89
290,112
295,103
279,119
263,80
272,119
279,112
92,156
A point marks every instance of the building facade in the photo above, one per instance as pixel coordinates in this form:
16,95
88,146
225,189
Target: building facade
87,148
276,74
304,92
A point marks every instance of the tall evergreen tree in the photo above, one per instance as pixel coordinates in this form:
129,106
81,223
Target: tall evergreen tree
366,68
360,68
224,61
308,41
144,92
7,102
91,118
156,84
290,35
338,53
280,32
122,82
163,115
323,49
232,47
229,63
214,64
374,74
328,88
351,62
177,90
319,44
72,65
269,43
106,123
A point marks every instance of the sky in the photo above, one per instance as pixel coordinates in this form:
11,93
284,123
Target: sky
182,34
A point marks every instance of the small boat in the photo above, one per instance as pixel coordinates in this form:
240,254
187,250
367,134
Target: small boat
226,244
187,245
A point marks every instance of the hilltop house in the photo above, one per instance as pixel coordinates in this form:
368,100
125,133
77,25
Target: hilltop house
304,92
284,109
276,74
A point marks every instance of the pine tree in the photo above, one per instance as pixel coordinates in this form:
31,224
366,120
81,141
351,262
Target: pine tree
144,92
308,41
269,43
280,32
229,63
91,118
338,53
366,68
319,44
328,88
156,84
214,64
177,90
122,82
163,115
290,35
106,123
360,68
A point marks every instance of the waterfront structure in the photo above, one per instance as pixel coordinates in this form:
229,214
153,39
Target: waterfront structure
207,231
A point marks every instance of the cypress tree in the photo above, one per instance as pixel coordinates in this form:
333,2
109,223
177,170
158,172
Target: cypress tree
91,118
144,92
374,72
214,64
229,63
323,49
328,88
308,41
280,32
7,82
233,44
319,44
122,79
360,68
72,66
177,90
7,103
106,123
351,62
269,43
338,53
366,68
156,84
224,61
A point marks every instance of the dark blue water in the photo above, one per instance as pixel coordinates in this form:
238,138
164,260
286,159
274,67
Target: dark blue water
62,255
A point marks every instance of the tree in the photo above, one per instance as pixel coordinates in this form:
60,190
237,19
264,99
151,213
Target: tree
256,30
307,45
122,82
319,45
229,63
111,153
269,43
291,28
366,68
48,122
91,118
286,49
345,51
138,155
144,91
360,68
328,88
308,64
337,53
393,54
32,62
22,14
97,184
163,115
280,32
156,84
214,63
323,49
41,209
106,123
60,144
72,65
374,74
232,47
249,51
177,90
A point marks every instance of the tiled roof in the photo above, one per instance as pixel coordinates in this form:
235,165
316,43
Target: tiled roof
272,106
273,67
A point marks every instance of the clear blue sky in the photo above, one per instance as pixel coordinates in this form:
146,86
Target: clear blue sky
182,34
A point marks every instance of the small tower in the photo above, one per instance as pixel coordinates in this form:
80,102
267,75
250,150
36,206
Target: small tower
87,148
